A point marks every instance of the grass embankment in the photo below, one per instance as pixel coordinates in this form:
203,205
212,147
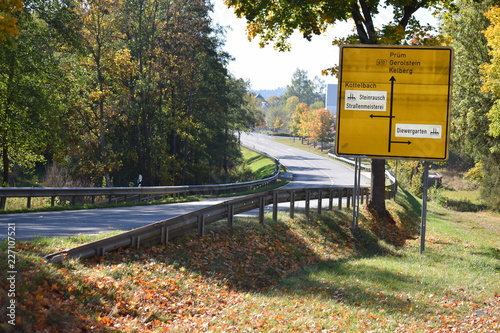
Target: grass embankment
301,275
458,193
258,165
297,143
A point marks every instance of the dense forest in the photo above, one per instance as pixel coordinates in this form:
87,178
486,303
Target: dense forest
104,91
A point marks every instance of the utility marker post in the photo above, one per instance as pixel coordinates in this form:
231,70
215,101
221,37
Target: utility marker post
356,193
423,224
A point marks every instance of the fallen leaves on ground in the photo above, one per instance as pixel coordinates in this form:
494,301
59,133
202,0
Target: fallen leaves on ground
207,285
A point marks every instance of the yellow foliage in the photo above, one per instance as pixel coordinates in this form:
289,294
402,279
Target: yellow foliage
491,70
8,23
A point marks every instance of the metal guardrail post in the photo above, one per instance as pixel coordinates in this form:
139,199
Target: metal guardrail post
320,201
136,241
275,206
308,196
230,215
201,225
292,204
261,209
340,198
164,235
330,199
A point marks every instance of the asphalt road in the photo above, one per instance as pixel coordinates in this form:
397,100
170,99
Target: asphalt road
309,170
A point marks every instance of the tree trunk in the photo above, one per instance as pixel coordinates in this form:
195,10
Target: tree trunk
377,198
5,163
5,177
367,35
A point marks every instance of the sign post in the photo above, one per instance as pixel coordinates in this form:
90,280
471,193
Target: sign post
423,225
394,102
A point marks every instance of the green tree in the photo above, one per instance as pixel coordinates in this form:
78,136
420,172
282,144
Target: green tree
291,103
127,87
473,133
317,105
464,26
291,106
296,120
182,99
277,117
306,90
100,74
30,99
277,20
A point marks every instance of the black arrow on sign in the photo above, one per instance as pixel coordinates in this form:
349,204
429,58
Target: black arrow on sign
374,116
392,79
405,142
390,116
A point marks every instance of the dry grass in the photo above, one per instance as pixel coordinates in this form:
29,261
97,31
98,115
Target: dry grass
454,180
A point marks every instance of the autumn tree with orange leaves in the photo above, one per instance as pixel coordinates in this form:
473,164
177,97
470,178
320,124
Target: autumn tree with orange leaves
316,124
8,20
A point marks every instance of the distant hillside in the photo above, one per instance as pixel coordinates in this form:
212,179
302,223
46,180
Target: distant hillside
270,92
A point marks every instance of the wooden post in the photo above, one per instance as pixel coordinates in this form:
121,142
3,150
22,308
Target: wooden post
292,204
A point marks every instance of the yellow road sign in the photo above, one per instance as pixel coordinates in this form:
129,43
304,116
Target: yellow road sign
394,101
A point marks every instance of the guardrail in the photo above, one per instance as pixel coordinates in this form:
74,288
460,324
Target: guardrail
128,192
165,230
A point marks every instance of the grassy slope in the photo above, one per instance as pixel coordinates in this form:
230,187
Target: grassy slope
259,165
303,275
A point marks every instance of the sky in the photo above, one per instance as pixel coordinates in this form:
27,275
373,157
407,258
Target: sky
267,68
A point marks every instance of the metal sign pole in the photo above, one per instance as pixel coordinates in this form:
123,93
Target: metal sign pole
356,193
424,207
